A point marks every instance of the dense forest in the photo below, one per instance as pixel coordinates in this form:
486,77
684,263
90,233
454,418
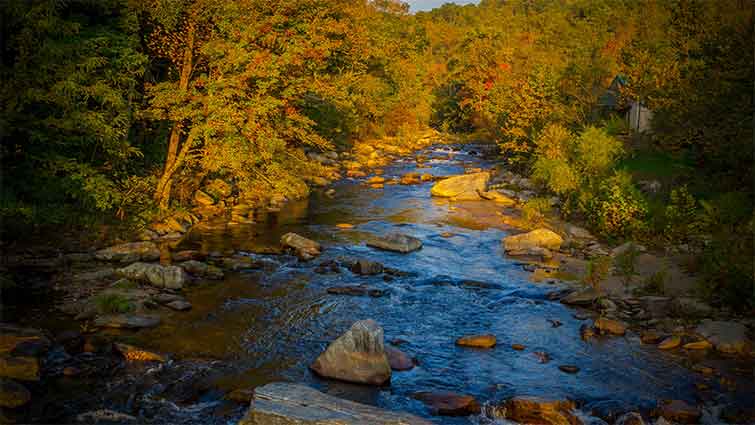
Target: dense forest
117,111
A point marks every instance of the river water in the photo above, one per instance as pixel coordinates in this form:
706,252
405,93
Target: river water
268,325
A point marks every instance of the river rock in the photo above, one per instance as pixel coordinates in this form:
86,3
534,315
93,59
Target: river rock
586,332
201,269
396,242
129,252
21,368
651,337
410,178
609,326
170,277
621,249
657,307
366,267
13,394
127,321
446,403
477,341
630,418
576,232
698,345
582,297
179,305
679,411
186,255
131,353
356,356
568,368
540,411
690,307
104,416
498,198
356,290
398,359
462,188
294,404
670,343
539,238
726,337
306,249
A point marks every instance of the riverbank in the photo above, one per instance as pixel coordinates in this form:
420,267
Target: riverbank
272,314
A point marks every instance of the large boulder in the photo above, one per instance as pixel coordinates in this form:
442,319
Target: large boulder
726,337
539,411
306,249
170,277
282,403
129,252
396,242
526,242
356,356
462,188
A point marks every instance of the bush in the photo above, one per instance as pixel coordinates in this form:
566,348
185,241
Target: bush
625,263
535,210
554,142
113,304
556,175
597,272
618,210
595,152
655,284
681,216
726,265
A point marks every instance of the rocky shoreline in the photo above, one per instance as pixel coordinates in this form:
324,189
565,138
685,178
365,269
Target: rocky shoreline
126,286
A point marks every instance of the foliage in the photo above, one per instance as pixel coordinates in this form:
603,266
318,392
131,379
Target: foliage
111,303
617,208
625,263
597,271
655,284
595,152
535,210
681,216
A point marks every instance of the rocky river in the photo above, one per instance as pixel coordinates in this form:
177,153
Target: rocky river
270,317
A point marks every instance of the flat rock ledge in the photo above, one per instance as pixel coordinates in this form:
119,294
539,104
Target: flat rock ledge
282,403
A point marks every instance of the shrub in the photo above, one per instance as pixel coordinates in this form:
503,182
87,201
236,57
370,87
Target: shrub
726,265
113,304
625,264
655,284
618,209
556,175
597,271
553,143
681,216
595,152
535,210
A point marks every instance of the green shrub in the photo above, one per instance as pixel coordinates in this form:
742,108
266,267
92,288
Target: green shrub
556,175
595,152
554,142
626,262
113,304
681,216
535,210
618,209
597,271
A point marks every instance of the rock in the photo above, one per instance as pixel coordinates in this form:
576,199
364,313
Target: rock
542,356
498,198
356,290
657,307
539,411
396,242
426,177
586,332
31,347
698,345
398,359
163,298
201,269
179,305
576,232
21,368
356,356
376,180
127,321
540,238
651,337
568,368
293,404
726,337
477,341
583,297
13,394
170,277
679,411
631,418
608,326
366,267
203,199
129,252
449,404
219,188
105,416
670,343
690,307
305,249
518,347
625,247
462,188
410,178
345,226
241,396
131,353
186,255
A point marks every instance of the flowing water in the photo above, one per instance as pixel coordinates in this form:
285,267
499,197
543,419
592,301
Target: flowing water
270,324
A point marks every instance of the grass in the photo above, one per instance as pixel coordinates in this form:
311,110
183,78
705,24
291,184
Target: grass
113,304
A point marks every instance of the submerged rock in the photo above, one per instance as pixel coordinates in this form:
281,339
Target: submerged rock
366,267
129,252
356,356
462,188
305,249
170,277
449,404
356,290
540,411
398,359
293,404
670,343
631,418
396,242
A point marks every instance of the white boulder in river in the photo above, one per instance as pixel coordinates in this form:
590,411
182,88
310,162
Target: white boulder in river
356,356
306,249
283,403
466,187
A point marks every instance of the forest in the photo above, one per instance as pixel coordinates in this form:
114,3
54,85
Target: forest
116,111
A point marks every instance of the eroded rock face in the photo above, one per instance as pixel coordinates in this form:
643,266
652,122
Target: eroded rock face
305,249
356,356
129,252
170,277
540,411
462,188
396,242
726,337
293,404
525,242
